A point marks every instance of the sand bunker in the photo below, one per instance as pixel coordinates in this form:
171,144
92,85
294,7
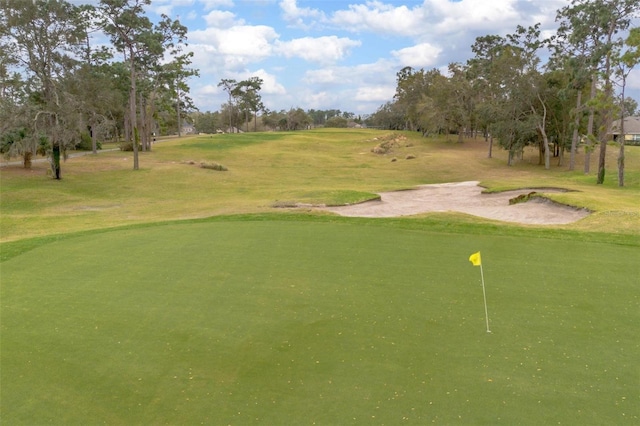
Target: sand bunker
466,197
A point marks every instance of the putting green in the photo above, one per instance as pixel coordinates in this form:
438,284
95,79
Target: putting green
277,322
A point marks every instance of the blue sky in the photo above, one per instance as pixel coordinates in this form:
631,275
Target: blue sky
336,54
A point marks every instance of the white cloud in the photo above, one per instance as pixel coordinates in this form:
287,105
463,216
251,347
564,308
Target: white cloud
422,55
379,94
322,76
380,18
296,15
222,19
235,46
323,50
270,85
391,34
213,4
209,89
166,6
471,14
319,100
164,10
633,80
435,18
381,72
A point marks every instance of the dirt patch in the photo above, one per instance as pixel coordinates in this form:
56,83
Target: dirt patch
466,197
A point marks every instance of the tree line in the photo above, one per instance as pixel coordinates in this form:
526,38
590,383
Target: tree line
507,94
244,105
60,90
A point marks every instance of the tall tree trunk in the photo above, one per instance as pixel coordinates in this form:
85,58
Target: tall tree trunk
94,137
178,114
542,128
576,127
602,137
545,140
144,140
560,155
621,141
133,121
592,112
621,163
55,161
490,146
26,160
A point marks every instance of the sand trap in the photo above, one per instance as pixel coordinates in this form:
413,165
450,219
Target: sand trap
465,197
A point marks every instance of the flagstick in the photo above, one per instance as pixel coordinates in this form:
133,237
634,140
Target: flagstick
484,294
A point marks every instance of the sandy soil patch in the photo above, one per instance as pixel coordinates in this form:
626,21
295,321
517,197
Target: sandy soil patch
466,197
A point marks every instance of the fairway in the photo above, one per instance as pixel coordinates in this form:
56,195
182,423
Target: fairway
318,322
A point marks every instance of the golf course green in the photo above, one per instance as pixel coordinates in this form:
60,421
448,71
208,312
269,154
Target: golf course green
182,295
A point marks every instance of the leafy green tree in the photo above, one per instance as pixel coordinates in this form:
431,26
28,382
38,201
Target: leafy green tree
144,45
273,119
247,92
484,74
533,86
206,122
625,63
600,23
571,56
432,109
458,100
409,91
44,38
229,85
297,119
336,121
629,107
130,32
388,116
17,142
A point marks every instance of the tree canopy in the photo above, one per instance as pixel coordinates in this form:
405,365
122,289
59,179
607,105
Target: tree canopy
58,89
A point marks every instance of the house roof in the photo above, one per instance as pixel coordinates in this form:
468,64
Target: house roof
631,126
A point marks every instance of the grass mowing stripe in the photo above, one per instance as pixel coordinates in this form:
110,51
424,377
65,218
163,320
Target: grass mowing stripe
450,223
334,322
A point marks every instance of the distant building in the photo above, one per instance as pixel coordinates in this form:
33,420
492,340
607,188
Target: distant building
188,129
631,130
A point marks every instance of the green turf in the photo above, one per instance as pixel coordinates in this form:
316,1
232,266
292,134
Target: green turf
318,322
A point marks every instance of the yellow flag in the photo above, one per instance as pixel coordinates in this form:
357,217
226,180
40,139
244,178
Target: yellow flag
475,259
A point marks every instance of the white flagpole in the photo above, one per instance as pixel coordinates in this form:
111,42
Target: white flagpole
484,294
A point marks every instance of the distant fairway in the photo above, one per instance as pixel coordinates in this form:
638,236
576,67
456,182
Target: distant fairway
319,321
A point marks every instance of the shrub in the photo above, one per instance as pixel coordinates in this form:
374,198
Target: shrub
213,166
86,144
338,122
523,198
127,146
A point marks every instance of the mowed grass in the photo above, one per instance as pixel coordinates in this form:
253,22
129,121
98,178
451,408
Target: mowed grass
318,322
181,295
282,169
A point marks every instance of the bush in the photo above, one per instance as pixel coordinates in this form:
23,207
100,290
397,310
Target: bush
86,143
128,146
337,122
523,198
213,166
